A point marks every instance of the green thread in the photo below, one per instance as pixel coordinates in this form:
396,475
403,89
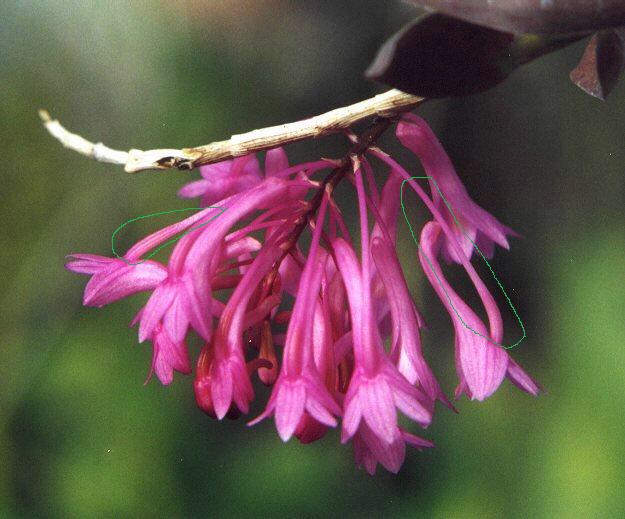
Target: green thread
169,242
401,199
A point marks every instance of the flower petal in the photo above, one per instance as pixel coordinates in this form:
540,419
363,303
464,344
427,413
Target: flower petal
121,280
155,308
290,404
194,189
522,380
222,386
88,263
379,408
176,319
275,161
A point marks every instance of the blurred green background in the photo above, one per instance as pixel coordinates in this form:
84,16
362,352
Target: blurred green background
81,436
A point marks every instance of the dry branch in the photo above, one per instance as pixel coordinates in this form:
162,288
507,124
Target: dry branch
388,104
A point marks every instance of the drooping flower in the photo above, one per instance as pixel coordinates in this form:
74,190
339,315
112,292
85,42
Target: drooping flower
474,225
376,388
299,394
332,329
481,361
369,450
114,279
230,381
168,356
406,341
223,179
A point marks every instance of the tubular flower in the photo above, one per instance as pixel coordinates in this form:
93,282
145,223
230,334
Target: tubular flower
331,328
475,224
168,356
299,393
223,179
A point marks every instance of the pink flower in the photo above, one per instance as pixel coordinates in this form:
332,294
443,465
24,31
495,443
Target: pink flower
223,179
174,303
376,389
406,342
395,310
331,327
369,450
299,394
230,177
229,376
476,225
481,361
114,279
168,356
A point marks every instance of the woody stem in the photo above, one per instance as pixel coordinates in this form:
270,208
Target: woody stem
387,104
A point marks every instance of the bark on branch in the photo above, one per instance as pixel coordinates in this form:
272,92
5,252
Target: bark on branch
388,104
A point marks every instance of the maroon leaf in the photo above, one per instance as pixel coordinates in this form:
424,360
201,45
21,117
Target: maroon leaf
601,65
534,16
439,56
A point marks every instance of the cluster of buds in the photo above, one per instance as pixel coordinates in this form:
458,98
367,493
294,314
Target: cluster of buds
332,329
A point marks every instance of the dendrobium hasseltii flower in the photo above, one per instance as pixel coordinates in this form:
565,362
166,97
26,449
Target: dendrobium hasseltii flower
376,388
300,388
481,362
347,351
168,355
476,225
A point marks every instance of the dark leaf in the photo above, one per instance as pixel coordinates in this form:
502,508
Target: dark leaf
534,16
601,65
439,56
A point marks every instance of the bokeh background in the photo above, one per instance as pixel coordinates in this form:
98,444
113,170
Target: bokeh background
81,436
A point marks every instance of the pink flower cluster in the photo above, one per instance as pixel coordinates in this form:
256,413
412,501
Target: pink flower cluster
333,330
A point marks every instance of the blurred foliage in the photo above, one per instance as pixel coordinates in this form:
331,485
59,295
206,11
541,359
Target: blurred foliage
81,436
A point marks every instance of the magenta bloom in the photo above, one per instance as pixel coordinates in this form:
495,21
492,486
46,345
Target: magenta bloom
478,226
481,362
369,450
113,279
331,327
227,178
223,179
168,356
299,393
376,389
